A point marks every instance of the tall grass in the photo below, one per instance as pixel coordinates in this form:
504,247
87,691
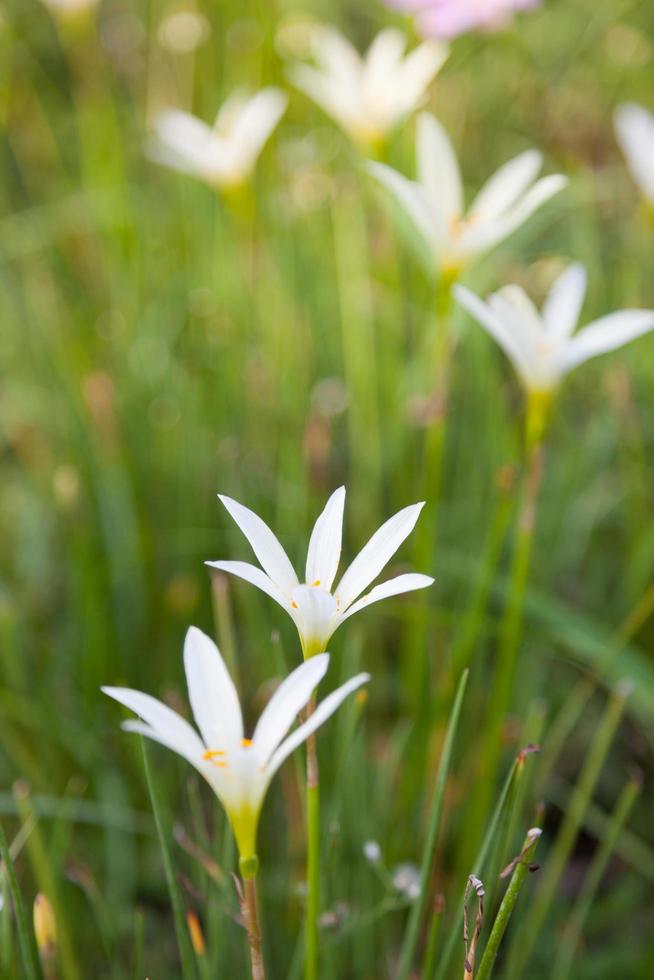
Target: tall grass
159,345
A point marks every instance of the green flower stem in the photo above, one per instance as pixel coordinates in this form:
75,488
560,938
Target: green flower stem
251,914
508,904
426,866
580,798
437,356
28,953
569,941
511,627
313,856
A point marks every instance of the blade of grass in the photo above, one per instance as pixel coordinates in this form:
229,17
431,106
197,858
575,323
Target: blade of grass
569,941
572,821
183,942
26,941
508,903
410,940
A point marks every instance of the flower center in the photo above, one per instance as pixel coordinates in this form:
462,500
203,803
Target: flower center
219,756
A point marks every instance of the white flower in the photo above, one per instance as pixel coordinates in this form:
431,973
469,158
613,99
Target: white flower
223,155
238,769
634,128
543,346
317,610
368,96
406,880
372,851
434,203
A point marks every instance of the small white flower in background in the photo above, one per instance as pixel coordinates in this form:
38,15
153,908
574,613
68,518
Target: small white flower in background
434,203
317,610
183,31
634,128
368,95
542,346
223,155
372,851
406,880
238,769
68,8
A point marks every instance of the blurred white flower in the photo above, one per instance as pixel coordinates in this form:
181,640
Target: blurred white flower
368,96
315,609
183,31
68,8
434,203
372,851
238,769
542,346
634,128
406,880
223,155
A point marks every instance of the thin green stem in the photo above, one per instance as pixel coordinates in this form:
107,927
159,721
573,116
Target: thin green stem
251,914
481,858
569,941
186,958
26,941
572,821
508,903
313,856
426,866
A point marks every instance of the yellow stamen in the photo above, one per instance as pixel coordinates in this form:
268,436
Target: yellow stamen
294,604
316,583
217,757
246,742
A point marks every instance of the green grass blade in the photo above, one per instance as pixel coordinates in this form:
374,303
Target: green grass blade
183,943
417,911
29,955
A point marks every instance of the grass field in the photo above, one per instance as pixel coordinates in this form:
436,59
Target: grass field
161,343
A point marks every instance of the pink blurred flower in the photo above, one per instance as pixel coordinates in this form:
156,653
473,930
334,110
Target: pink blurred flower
448,18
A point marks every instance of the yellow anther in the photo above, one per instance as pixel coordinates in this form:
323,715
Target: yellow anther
217,757
294,604
316,583
246,742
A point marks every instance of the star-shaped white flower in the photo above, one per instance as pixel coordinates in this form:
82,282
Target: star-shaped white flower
238,769
434,203
223,155
316,608
542,346
634,129
368,95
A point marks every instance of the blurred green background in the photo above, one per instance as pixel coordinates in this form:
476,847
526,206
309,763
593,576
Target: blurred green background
158,347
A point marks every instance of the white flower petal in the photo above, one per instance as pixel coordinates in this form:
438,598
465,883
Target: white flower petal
334,53
562,308
606,334
271,555
183,142
382,59
376,554
478,237
315,613
438,169
166,723
325,544
413,200
285,704
319,716
256,121
255,576
506,185
418,70
212,693
395,586
490,320
331,94
634,129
